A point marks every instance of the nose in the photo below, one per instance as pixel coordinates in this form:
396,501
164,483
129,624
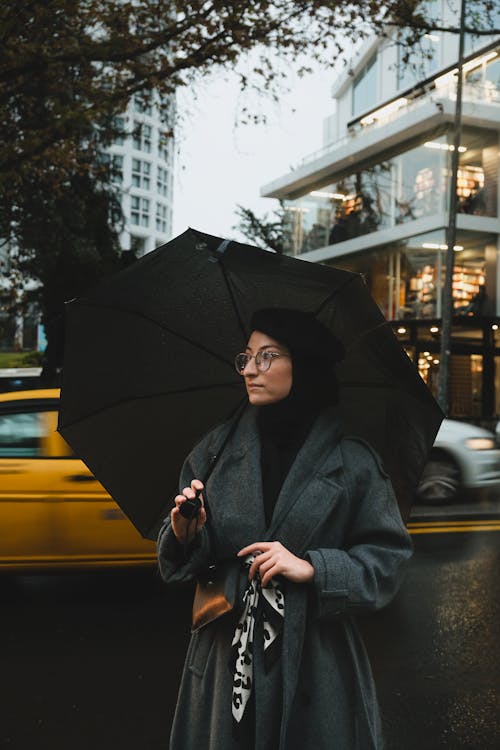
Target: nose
250,367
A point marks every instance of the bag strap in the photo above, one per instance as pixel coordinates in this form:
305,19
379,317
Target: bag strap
195,504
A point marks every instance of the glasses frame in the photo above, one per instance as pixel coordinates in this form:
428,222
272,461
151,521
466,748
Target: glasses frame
270,356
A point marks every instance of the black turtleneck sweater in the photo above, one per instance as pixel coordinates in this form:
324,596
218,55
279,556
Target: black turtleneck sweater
285,425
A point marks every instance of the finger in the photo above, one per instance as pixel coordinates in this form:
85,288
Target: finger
252,549
267,565
179,499
255,566
197,485
269,575
189,493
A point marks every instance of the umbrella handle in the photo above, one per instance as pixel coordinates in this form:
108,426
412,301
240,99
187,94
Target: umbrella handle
191,508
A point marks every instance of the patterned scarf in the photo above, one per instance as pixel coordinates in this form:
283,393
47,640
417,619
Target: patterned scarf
273,611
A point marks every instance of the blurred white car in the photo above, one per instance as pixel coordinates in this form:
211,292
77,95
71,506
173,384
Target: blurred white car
463,457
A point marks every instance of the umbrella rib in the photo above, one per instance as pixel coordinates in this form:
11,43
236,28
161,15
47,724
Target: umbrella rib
102,409
232,297
336,291
138,314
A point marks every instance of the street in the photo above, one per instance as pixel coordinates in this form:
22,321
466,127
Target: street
92,661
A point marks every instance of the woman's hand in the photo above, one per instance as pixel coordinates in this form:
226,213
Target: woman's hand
272,559
182,526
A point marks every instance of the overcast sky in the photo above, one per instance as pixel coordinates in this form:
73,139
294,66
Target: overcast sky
219,164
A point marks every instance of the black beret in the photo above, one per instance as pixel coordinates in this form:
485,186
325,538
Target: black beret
301,332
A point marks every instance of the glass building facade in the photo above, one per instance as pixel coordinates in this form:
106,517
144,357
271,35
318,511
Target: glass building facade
386,218
408,186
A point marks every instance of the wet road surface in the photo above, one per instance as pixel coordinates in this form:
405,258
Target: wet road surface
92,661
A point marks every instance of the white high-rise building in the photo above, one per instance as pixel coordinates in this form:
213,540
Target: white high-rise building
143,162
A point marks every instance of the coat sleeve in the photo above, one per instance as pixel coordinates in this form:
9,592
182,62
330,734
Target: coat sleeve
179,564
366,573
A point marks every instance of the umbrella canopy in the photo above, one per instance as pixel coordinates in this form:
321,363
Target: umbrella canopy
149,369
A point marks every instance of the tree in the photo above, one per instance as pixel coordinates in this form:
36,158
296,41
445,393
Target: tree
265,232
68,67
67,241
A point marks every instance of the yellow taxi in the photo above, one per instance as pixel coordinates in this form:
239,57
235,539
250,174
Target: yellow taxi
53,511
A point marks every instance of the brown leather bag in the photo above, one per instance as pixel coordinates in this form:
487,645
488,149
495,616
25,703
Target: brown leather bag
215,593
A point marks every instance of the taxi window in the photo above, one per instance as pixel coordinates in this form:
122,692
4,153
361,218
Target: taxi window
21,435
31,434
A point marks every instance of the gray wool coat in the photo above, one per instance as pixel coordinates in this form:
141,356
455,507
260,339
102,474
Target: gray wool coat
337,509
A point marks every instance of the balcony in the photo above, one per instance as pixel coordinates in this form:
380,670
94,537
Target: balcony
393,126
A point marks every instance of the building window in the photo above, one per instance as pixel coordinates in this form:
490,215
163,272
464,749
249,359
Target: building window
364,89
117,168
142,137
143,105
137,246
477,181
482,77
161,218
406,278
119,123
141,174
164,149
139,213
423,60
162,181
481,19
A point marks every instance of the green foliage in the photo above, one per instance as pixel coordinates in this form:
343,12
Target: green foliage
265,232
69,67
20,359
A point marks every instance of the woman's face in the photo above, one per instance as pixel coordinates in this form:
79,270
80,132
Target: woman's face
265,388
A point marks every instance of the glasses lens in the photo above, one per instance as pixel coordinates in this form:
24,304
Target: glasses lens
240,362
263,361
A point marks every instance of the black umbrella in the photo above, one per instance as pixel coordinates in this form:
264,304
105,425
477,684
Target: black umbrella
148,365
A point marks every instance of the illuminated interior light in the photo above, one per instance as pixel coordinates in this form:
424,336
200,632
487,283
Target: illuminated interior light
426,354
321,194
379,114
435,361
494,327
434,329
444,146
401,330
437,246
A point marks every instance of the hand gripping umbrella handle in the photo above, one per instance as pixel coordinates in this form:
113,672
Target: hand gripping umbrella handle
191,508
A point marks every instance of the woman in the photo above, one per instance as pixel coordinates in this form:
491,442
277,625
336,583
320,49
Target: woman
311,518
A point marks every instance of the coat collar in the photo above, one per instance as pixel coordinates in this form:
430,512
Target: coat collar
306,497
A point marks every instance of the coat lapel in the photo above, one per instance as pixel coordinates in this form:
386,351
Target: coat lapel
308,494
234,490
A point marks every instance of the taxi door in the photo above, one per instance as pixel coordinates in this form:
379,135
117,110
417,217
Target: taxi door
27,530
90,528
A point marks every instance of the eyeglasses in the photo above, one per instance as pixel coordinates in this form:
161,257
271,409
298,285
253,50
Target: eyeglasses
263,360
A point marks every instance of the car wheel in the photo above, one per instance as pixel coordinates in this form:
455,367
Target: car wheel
440,482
